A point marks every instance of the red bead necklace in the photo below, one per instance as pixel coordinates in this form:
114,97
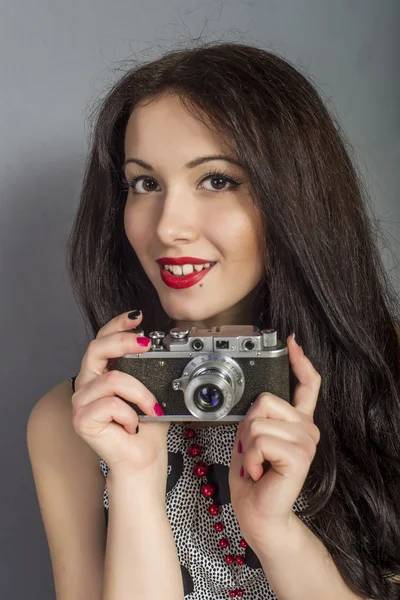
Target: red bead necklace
200,469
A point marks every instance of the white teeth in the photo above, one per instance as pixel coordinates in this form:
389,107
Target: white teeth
186,269
177,270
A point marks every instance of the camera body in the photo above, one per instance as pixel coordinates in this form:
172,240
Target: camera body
209,374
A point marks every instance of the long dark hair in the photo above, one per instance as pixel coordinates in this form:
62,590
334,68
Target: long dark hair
324,277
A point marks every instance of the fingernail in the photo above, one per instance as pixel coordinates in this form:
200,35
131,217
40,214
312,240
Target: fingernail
158,409
240,449
143,341
135,314
294,339
241,471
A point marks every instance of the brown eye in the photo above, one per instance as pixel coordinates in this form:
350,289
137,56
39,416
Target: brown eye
219,181
146,187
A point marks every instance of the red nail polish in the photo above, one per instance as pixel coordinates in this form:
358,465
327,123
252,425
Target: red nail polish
241,471
143,341
158,409
240,449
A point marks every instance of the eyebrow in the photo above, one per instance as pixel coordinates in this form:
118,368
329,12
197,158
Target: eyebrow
191,164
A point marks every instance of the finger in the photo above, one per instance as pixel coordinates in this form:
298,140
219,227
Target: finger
117,383
91,419
269,406
305,395
299,433
100,350
286,458
120,323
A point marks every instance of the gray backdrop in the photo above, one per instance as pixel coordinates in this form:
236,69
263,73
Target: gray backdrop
56,57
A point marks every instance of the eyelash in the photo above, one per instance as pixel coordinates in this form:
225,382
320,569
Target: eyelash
131,181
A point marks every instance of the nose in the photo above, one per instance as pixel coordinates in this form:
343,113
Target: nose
178,221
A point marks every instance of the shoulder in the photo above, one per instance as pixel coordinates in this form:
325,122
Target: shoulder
50,434
55,404
69,486
50,421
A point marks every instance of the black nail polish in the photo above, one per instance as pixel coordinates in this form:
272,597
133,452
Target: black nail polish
135,314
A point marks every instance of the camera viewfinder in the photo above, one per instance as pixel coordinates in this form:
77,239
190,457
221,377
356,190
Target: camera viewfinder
222,344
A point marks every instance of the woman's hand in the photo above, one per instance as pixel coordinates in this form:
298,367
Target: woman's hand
102,419
279,442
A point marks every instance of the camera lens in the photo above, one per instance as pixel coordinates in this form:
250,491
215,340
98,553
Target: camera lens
208,397
209,386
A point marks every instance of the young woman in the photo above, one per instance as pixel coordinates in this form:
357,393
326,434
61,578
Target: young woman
224,155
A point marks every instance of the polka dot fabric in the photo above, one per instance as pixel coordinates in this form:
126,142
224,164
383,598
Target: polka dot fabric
205,574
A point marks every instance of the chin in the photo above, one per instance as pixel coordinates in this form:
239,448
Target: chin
193,314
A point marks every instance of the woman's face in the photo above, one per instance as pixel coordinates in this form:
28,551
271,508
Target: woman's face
175,210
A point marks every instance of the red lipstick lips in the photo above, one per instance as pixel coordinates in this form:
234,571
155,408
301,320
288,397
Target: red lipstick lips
183,281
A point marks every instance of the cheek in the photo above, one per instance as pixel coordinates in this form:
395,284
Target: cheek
136,225
238,231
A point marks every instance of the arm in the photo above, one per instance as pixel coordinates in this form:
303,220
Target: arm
69,486
141,558
267,473
312,572
138,560
299,567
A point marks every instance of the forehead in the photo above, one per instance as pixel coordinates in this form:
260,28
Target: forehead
163,127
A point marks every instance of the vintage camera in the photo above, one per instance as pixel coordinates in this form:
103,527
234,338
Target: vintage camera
210,374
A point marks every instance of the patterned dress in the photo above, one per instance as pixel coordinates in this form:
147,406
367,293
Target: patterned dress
205,573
